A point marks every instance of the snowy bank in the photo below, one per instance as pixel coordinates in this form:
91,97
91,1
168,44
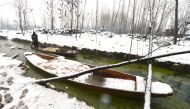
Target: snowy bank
118,43
16,94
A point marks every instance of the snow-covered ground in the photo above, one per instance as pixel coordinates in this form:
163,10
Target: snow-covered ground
16,93
117,43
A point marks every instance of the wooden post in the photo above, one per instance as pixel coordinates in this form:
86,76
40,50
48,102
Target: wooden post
148,88
149,77
147,96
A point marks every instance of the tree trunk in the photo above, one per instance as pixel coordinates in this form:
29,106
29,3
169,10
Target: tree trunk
132,27
52,19
25,20
72,14
176,23
78,16
82,24
20,22
97,6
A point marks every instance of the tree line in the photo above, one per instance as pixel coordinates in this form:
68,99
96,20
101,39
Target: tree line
125,16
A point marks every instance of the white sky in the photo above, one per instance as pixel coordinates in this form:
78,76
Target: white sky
7,10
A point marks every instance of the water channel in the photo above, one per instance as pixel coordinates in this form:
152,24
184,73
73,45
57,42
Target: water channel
179,82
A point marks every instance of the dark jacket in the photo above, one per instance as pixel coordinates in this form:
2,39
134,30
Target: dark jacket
34,37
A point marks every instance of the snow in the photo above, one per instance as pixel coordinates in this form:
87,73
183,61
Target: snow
184,58
59,66
35,59
161,88
114,83
118,43
157,87
2,54
27,95
140,84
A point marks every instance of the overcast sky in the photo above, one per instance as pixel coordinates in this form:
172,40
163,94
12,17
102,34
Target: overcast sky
7,10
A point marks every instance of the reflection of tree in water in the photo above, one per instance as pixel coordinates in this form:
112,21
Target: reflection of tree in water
185,88
187,99
135,72
175,85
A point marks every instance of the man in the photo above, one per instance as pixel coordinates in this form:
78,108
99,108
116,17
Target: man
35,40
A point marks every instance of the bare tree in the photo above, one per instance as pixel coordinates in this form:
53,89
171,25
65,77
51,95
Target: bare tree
5,24
71,10
1,23
147,97
114,20
176,22
18,4
44,22
132,28
121,22
78,13
133,19
51,7
127,17
143,22
104,19
26,11
97,6
62,14
96,25
84,10
119,18
159,29
113,15
73,6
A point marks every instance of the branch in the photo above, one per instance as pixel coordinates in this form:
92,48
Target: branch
109,66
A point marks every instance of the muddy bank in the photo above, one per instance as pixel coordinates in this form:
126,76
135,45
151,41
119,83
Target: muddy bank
121,56
3,38
178,67
43,44
21,41
84,50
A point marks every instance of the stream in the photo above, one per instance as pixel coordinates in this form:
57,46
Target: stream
179,82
